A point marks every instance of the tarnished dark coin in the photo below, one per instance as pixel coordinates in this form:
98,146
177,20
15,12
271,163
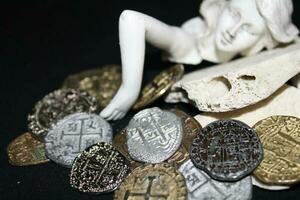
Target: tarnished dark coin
191,128
200,186
120,144
153,135
159,86
26,150
56,106
227,150
157,182
280,136
73,134
102,83
98,169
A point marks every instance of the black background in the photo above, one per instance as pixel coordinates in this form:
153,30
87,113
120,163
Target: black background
42,42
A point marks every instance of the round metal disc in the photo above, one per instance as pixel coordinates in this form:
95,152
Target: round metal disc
98,169
227,150
280,136
26,150
56,106
159,181
73,134
200,186
159,86
191,128
153,135
101,83
120,144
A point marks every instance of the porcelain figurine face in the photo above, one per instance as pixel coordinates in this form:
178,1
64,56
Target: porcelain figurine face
240,26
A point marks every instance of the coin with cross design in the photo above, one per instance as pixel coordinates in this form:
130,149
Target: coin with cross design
200,186
227,150
153,181
73,134
98,169
55,106
154,135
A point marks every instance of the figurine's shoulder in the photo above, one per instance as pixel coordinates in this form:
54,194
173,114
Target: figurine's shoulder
195,26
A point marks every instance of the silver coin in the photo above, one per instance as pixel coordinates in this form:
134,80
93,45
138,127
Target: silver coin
201,186
153,135
55,106
73,134
227,150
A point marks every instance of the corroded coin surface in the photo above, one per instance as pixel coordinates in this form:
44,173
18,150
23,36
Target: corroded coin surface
26,150
280,136
200,186
157,182
227,150
56,106
153,135
159,86
191,128
100,168
120,144
102,83
73,134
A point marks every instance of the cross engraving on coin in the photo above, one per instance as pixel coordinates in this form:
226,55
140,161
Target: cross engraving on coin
56,106
280,136
227,150
159,86
102,83
200,186
100,168
26,150
157,182
153,135
73,134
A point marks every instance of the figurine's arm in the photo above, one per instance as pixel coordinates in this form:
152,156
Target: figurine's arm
134,29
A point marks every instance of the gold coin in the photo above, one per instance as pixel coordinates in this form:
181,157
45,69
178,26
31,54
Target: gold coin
159,86
102,83
280,136
191,128
153,181
26,150
120,143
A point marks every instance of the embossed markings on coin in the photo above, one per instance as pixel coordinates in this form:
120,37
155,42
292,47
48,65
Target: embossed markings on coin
191,128
56,106
227,150
159,86
119,142
26,150
100,168
73,134
159,181
201,187
153,135
280,136
102,83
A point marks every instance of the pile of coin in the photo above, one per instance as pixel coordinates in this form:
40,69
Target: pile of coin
160,154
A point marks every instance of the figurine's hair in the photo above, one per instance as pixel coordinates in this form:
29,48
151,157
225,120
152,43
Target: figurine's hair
276,13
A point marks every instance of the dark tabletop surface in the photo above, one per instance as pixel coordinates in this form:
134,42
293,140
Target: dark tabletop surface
44,41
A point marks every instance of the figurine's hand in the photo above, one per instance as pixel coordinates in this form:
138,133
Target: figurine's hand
120,104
